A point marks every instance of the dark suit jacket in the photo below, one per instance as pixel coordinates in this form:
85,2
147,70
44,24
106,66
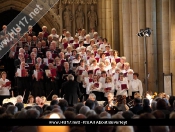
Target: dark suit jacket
17,62
71,92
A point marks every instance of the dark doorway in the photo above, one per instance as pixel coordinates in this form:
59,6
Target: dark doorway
9,15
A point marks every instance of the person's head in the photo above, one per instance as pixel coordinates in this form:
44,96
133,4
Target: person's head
90,103
92,97
99,109
149,95
82,62
122,59
38,100
92,42
44,28
146,102
66,65
11,109
78,107
90,113
54,102
63,104
103,74
121,76
159,128
105,115
125,129
78,57
135,75
3,75
70,77
20,106
44,99
158,114
30,99
32,113
147,116
50,66
95,78
48,54
84,110
69,115
54,97
19,99
128,114
108,80
37,66
137,101
161,104
110,96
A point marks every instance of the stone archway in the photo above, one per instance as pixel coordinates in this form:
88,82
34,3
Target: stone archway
51,19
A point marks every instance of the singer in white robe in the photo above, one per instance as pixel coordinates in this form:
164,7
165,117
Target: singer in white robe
135,85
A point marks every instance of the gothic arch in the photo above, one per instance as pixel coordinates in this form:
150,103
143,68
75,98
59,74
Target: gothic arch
51,19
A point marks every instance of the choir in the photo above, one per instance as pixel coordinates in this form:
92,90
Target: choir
39,65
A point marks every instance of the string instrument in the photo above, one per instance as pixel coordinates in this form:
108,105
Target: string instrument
112,107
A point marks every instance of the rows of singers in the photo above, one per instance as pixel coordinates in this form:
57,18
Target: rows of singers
42,63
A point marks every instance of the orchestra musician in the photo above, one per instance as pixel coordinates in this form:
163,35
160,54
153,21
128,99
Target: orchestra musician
111,104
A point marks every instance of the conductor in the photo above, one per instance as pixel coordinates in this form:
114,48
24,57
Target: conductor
70,90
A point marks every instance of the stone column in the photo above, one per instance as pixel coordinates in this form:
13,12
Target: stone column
151,45
115,25
126,29
141,25
108,21
103,19
159,45
99,10
172,41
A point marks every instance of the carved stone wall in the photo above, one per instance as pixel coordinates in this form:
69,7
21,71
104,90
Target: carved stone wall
79,14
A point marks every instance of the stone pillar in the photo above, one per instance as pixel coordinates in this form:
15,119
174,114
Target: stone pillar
103,19
108,21
151,45
121,51
115,25
159,45
172,41
99,10
141,25
126,30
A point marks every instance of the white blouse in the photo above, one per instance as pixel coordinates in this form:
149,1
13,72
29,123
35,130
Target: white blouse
4,90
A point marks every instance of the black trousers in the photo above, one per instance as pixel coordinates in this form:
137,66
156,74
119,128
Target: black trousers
2,97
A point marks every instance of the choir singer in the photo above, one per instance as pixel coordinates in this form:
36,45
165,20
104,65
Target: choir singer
5,86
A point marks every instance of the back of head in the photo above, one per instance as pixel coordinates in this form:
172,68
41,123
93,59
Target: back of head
63,104
99,109
161,104
137,100
159,114
78,107
90,112
33,114
90,104
146,102
159,128
84,110
125,129
22,114
54,102
154,105
105,115
147,116
12,109
118,116
80,116
69,115
127,114
2,110
20,106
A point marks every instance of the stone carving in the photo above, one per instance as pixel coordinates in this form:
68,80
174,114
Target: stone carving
79,18
92,15
67,1
91,2
67,17
79,2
